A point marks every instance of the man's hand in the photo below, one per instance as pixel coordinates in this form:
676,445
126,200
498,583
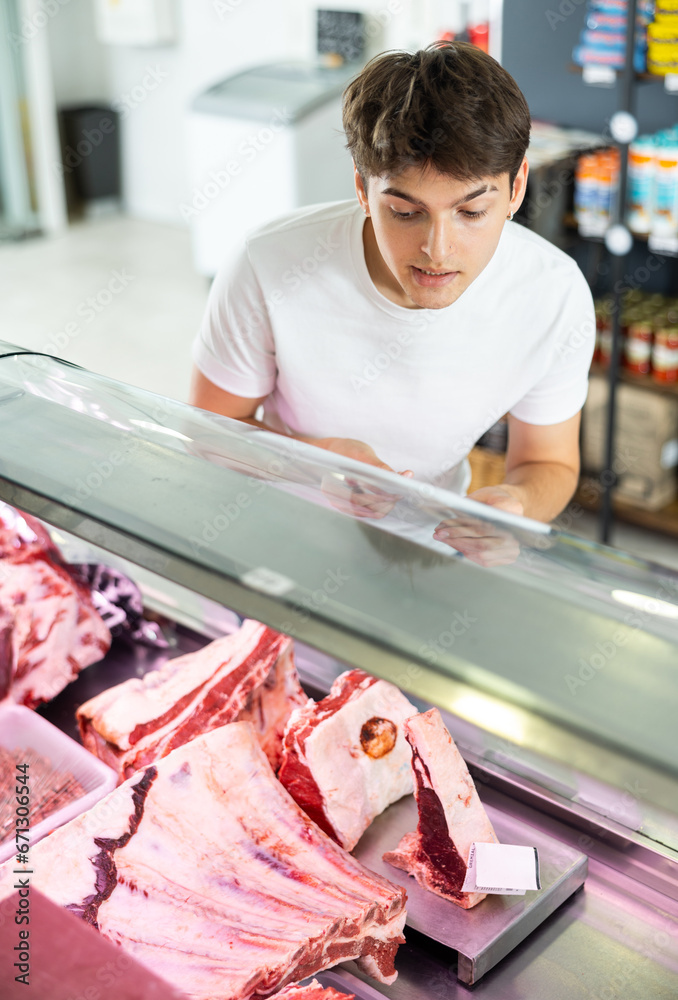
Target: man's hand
479,541
354,495
501,496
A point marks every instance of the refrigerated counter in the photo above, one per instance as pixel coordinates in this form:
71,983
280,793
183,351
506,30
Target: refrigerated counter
556,671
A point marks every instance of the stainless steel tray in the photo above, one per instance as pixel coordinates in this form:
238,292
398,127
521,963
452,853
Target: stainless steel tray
483,935
345,982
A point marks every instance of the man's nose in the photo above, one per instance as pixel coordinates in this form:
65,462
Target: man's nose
439,241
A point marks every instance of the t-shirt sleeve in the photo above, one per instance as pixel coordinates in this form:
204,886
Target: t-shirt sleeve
235,347
561,391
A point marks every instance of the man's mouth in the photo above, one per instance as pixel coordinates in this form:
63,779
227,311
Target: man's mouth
432,279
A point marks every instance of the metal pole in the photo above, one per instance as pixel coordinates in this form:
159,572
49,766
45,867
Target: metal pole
626,82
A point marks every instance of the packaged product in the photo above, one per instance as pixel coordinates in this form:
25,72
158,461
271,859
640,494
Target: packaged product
665,210
640,184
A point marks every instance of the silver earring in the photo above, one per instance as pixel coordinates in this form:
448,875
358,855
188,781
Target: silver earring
510,216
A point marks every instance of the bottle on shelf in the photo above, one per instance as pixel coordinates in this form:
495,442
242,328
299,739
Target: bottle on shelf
640,185
664,221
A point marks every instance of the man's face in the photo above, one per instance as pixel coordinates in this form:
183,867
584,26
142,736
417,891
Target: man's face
429,235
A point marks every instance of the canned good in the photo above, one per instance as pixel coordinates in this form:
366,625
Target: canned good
665,355
603,335
638,347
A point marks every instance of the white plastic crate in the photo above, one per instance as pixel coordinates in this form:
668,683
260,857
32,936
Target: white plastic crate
22,728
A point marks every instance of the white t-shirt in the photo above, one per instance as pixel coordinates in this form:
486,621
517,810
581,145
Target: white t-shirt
298,319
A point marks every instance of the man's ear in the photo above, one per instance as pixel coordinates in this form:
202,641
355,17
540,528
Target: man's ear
360,191
519,186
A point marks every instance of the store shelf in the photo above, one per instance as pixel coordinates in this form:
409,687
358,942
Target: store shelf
638,77
640,381
664,520
655,245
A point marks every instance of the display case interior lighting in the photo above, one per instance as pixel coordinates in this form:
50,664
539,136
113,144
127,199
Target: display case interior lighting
648,605
489,714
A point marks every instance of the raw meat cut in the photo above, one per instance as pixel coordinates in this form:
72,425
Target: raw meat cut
49,628
451,816
206,871
314,991
247,676
345,758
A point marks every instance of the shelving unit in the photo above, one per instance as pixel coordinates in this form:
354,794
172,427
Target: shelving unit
665,520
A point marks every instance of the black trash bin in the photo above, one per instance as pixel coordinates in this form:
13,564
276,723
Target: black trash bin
90,151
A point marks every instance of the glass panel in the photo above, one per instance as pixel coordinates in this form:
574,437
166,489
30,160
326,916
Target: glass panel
567,630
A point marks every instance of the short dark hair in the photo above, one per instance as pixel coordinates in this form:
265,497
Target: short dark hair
449,106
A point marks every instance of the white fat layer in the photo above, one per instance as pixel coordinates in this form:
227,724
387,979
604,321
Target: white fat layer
355,787
116,712
467,821
62,863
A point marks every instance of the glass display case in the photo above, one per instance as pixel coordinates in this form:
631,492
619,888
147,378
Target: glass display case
553,659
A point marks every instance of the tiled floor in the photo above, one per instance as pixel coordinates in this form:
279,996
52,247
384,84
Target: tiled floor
120,297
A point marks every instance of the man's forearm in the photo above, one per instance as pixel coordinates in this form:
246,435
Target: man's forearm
319,442
543,488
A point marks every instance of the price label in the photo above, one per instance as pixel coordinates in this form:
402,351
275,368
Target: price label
599,76
663,244
592,230
671,83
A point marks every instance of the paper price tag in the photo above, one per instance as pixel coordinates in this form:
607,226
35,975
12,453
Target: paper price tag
671,83
663,244
599,76
504,869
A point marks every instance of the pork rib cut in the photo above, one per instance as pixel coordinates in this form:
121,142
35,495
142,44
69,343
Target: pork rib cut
345,758
49,627
312,991
205,870
246,676
451,815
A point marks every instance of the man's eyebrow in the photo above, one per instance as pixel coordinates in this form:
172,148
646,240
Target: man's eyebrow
394,193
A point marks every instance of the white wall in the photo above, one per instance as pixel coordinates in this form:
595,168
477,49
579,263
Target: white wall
153,86
79,61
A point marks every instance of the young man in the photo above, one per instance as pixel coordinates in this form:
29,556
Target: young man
397,329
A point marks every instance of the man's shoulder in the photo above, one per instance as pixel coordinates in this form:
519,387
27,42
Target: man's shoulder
302,222
523,242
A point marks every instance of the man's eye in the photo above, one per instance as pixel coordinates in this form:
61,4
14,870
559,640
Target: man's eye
403,215
474,215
